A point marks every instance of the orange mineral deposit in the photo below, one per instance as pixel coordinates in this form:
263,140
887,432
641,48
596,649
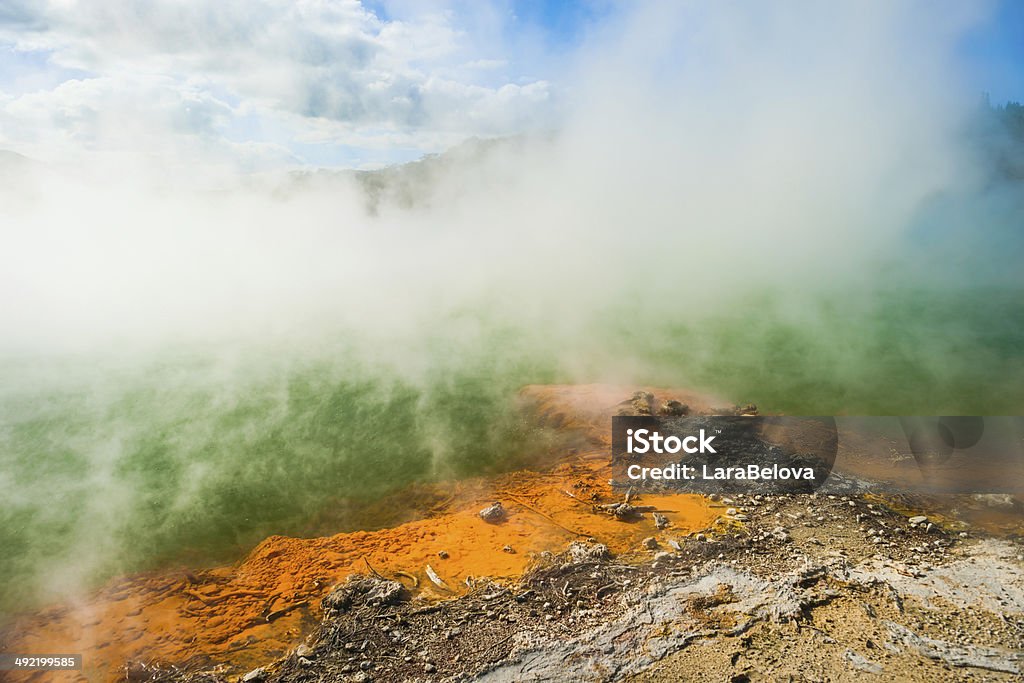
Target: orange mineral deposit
248,614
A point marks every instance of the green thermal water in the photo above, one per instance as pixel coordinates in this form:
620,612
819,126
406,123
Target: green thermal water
113,463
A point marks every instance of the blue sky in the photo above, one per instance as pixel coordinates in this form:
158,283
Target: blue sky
994,53
273,83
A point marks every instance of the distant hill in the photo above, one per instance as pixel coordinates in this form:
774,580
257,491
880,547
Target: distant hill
416,184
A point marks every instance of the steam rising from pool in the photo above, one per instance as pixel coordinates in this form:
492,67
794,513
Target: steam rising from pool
189,366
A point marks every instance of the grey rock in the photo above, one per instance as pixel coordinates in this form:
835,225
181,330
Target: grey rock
975,656
580,551
493,513
365,590
640,403
995,500
649,629
862,663
674,407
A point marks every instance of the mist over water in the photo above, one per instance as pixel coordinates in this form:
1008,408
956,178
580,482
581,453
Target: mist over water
188,364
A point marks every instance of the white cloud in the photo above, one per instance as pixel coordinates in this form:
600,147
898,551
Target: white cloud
325,70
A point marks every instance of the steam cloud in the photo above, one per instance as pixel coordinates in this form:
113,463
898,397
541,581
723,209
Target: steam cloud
731,197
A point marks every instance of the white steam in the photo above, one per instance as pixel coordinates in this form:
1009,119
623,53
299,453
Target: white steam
705,153
704,150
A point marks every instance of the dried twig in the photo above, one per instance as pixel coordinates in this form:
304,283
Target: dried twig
412,577
574,496
436,580
370,567
277,614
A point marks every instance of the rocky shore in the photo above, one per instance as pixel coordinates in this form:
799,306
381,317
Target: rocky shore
804,588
